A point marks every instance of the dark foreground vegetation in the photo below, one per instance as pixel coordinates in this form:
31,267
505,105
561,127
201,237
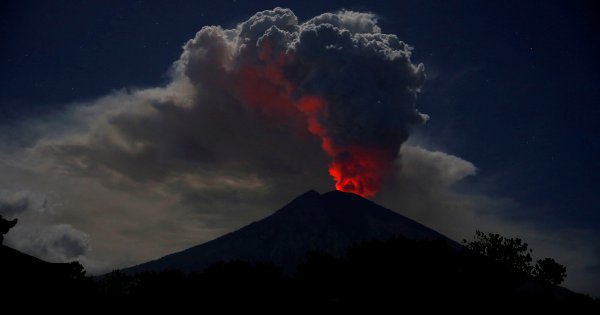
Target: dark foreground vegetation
375,276
489,274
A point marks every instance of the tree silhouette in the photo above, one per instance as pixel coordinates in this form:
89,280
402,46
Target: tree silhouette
510,252
550,271
373,276
515,254
5,226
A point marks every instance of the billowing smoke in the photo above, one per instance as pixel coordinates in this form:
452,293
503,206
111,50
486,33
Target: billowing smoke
335,75
34,234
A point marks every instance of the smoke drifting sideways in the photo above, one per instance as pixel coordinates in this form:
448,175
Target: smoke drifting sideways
336,75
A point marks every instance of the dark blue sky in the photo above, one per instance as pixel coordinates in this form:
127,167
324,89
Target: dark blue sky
513,87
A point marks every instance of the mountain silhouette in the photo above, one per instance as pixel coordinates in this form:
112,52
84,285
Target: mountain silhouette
396,261
328,223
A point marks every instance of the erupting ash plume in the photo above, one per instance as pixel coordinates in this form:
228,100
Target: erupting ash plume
336,75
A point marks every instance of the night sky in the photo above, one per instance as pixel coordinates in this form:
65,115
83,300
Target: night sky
511,92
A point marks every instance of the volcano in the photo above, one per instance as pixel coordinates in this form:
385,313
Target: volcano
329,223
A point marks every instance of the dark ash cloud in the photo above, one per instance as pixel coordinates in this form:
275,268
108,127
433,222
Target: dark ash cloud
236,93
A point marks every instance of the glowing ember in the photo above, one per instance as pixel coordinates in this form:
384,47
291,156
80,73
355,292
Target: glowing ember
355,169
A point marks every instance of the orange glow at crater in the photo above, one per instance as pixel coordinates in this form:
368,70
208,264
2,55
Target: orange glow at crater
359,170
354,168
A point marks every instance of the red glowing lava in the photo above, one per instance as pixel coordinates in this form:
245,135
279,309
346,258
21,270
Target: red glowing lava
354,168
359,170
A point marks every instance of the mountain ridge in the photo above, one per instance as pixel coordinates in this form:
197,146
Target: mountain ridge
329,222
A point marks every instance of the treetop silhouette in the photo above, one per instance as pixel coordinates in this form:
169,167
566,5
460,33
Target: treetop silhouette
5,226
